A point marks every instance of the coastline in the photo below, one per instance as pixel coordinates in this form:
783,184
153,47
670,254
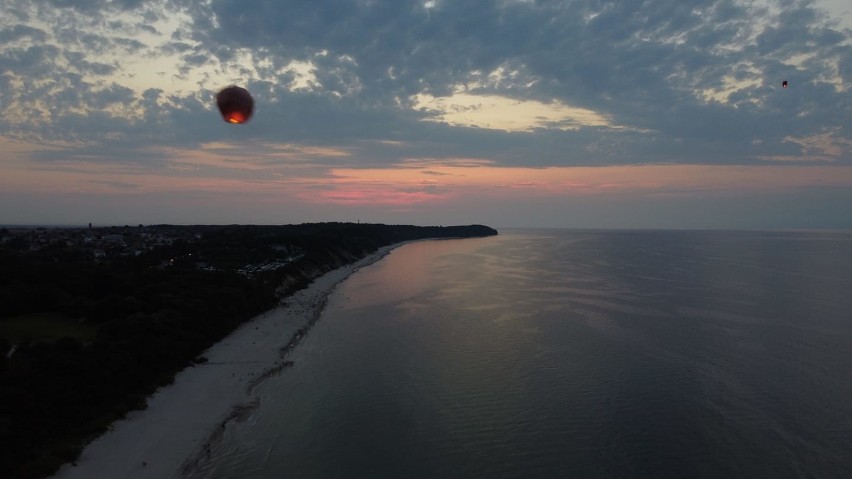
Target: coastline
172,437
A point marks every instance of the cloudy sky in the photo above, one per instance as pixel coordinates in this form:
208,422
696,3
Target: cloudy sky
568,113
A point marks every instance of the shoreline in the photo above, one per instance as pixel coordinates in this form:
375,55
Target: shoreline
172,437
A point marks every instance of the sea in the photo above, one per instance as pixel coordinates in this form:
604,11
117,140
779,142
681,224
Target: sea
570,353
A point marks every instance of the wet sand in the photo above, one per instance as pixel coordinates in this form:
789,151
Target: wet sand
173,436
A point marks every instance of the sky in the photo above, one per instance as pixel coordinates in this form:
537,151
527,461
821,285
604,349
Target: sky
510,113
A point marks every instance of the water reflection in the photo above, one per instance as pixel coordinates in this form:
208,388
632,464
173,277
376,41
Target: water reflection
584,354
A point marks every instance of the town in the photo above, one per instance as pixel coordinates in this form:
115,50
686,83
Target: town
104,244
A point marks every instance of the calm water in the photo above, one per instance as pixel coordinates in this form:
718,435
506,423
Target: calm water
571,354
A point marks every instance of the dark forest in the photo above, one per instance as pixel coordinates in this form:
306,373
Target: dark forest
93,321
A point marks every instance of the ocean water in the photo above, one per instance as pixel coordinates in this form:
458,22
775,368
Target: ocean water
550,353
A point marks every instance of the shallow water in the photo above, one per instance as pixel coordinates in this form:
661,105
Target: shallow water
573,354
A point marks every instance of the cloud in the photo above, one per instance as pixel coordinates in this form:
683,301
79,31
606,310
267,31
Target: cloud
116,185
501,113
516,83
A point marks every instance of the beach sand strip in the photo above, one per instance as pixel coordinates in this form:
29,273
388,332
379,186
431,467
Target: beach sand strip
174,434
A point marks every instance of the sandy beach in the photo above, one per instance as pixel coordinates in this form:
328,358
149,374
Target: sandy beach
173,436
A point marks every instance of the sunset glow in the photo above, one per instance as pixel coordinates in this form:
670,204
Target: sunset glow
445,183
519,113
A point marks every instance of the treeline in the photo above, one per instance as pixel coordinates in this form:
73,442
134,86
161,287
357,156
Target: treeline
155,314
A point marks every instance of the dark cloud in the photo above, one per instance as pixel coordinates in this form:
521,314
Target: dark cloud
29,61
662,71
845,66
21,32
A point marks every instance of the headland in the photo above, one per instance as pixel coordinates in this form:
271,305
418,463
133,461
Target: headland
95,321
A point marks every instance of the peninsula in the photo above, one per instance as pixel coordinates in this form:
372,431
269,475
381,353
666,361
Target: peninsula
94,320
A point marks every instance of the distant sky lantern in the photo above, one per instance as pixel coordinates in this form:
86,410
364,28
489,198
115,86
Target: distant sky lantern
235,104
784,84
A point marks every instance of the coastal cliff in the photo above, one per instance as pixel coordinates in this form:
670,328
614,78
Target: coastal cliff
93,338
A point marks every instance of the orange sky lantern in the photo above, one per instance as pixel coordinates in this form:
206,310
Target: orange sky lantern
235,104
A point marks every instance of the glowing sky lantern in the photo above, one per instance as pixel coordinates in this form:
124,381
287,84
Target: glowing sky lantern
784,84
235,104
